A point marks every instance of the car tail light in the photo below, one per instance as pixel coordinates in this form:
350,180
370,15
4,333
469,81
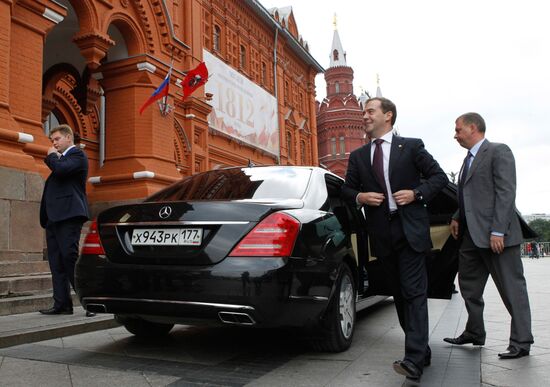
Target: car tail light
92,244
272,237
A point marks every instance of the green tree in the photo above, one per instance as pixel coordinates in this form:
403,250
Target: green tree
541,227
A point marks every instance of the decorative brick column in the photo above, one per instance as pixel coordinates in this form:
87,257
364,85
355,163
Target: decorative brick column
26,23
139,157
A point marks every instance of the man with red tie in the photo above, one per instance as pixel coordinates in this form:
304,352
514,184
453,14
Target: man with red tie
384,176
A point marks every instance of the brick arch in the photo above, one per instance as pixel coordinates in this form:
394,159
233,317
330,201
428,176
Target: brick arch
59,86
134,37
87,14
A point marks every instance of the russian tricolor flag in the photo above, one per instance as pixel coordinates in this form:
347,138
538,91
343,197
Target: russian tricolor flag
160,92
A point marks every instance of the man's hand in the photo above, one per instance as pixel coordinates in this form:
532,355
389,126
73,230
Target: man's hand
403,197
370,198
454,228
51,150
497,244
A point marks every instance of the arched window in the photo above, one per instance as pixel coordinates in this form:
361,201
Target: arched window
333,146
287,92
243,57
289,144
217,38
334,55
303,152
264,74
342,145
51,122
337,87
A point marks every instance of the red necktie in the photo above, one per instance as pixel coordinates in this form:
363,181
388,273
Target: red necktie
378,166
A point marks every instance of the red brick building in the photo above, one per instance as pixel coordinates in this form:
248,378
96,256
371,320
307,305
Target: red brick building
340,124
92,63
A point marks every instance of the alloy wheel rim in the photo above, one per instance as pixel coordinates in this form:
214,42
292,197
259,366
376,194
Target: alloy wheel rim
346,307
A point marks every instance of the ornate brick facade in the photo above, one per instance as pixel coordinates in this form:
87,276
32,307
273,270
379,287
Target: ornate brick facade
92,63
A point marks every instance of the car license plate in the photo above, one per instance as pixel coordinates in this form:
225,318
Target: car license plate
167,237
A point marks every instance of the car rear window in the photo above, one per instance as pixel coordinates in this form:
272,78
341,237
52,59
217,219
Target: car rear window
258,183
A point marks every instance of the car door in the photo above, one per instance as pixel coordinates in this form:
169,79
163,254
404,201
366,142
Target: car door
442,260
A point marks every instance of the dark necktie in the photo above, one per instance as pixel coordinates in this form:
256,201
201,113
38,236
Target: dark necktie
378,167
463,175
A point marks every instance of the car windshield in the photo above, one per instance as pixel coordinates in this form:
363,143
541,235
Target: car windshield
257,183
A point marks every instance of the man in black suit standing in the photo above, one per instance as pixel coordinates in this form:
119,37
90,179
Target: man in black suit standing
63,210
384,176
490,234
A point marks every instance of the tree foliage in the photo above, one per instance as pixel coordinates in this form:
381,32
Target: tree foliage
541,227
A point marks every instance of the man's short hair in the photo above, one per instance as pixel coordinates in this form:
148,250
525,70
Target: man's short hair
387,106
64,129
473,119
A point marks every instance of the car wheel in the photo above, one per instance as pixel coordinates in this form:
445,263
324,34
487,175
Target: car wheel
144,328
339,321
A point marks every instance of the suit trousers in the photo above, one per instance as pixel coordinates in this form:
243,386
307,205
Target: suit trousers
506,269
62,240
405,270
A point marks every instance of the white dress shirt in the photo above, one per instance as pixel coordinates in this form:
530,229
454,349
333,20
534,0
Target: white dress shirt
386,150
66,150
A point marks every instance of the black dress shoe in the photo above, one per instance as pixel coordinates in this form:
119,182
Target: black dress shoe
513,353
427,361
90,314
408,369
428,357
463,339
56,311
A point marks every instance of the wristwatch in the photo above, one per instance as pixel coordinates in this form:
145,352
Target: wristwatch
418,195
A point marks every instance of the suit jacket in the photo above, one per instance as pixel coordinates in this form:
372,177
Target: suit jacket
490,194
64,194
410,167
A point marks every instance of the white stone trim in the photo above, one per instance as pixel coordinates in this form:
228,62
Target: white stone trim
94,180
146,66
144,175
53,16
190,116
25,137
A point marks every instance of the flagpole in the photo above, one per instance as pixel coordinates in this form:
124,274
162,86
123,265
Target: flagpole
165,106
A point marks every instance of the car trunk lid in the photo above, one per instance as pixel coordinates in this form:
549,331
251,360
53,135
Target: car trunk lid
181,233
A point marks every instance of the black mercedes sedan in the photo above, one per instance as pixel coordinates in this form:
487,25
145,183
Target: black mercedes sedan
251,246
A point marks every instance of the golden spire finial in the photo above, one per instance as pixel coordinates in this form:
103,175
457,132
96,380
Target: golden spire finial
334,21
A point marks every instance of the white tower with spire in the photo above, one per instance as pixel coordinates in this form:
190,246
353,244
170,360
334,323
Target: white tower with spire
378,89
337,53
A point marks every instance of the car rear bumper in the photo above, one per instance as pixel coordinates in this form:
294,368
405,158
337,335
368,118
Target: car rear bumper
244,291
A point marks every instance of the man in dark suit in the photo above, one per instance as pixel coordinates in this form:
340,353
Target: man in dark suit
490,235
63,210
384,176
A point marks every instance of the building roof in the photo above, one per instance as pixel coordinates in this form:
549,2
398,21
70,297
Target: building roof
299,47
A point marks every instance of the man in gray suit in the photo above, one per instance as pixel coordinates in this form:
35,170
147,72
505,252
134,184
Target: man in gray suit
490,233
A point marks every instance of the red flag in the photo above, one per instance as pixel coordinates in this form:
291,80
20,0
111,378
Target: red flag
194,79
160,92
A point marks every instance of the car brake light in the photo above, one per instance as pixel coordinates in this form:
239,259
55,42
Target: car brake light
92,244
272,237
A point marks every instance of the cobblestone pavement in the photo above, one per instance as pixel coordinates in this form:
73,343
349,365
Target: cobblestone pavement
226,356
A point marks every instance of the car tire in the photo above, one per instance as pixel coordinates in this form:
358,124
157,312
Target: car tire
338,323
144,328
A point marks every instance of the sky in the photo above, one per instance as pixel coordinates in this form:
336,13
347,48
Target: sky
439,59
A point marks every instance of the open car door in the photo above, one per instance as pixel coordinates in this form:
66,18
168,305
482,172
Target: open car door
442,262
